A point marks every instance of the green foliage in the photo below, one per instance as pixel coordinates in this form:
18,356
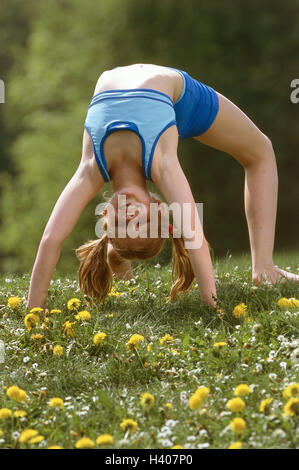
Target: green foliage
247,51
101,385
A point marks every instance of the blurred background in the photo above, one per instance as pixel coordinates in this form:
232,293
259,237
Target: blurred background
51,55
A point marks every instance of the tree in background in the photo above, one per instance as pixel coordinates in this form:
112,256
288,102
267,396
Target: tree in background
247,51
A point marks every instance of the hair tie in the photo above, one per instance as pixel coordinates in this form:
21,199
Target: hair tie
105,212
170,228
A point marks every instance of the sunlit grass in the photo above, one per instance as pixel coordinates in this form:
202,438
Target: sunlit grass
101,384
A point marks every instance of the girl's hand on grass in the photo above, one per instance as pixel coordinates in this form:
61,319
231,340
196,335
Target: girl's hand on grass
273,275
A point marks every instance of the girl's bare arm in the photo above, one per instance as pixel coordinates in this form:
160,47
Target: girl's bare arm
81,188
173,184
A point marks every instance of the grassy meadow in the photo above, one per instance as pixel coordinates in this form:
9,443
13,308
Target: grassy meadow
142,372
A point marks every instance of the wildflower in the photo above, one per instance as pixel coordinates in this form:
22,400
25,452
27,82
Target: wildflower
177,446
284,302
265,404
84,315
56,402
236,445
13,302
195,401
99,338
291,391
168,405
5,413
202,392
294,302
147,400
166,339
134,341
54,311
104,439
238,425
291,408
84,443
36,310
58,350
149,347
240,310
37,337
54,447
27,434
68,330
129,424
242,390
73,304
16,393
113,293
36,439
20,413
220,344
31,320
235,404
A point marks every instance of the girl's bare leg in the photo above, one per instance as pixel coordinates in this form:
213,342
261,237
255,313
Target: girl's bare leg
234,133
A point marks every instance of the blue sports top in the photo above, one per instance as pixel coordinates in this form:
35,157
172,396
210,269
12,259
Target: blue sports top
149,113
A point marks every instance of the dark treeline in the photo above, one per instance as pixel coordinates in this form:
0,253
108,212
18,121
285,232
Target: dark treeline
51,54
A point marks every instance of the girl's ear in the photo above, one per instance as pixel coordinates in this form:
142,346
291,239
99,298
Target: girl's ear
182,272
95,275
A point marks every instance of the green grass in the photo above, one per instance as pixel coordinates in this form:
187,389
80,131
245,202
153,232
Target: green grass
102,385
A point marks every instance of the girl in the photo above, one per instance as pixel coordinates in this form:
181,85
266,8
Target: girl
131,133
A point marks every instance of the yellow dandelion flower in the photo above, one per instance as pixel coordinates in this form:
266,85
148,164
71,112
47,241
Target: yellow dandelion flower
13,302
114,293
31,320
241,390
236,445
55,447
236,404
177,446
195,401
84,315
294,302
220,344
84,443
68,330
56,402
27,434
265,404
168,405
291,391
55,311
202,392
16,393
5,413
37,337
105,439
240,310
20,413
238,425
291,408
58,350
36,439
284,302
99,338
147,400
73,304
166,339
149,347
134,341
36,310
129,424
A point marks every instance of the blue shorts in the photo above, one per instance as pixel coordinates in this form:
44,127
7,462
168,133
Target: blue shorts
149,113
196,108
